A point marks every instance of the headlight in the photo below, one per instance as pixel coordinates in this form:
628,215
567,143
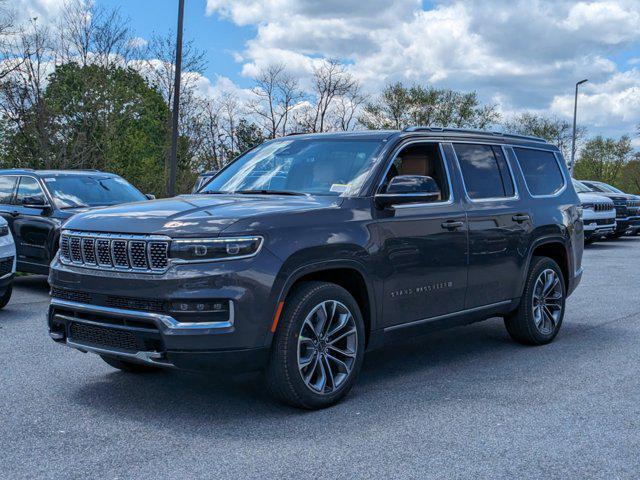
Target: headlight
212,249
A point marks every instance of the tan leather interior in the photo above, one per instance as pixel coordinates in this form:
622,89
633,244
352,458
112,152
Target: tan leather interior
416,164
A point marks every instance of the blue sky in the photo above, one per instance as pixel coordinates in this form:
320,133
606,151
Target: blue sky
517,54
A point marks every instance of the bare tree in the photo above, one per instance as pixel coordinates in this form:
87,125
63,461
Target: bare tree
22,101
276,95
347,108
331,80
160,56
87,33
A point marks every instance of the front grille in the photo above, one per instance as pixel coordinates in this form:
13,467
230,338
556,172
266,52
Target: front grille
139,253
71,295
103,337
141,304
603,207
113,301
6,266
604,221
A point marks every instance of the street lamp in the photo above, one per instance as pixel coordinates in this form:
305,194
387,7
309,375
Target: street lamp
173,158
575,114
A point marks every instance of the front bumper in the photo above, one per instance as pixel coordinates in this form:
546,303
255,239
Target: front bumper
627,223
133,316
147,338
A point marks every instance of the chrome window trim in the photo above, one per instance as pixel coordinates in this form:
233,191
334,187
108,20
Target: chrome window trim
443,158
516,195
526,185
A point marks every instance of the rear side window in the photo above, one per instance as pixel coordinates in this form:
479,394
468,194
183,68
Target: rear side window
485,171
7,185
541,171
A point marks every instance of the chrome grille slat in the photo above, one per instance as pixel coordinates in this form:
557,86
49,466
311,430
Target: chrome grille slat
115,252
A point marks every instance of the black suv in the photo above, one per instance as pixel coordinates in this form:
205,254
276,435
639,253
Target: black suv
627,207
37,203
309,249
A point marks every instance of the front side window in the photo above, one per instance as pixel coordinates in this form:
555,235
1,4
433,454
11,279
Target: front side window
29,192
424,160
299,166
485,171
78,191
7,186
541,171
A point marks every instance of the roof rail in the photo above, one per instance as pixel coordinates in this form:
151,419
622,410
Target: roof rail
418,128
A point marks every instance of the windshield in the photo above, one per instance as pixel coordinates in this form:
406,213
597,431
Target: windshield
608,188
86,191
581,187
299,166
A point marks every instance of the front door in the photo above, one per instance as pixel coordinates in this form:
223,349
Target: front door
423,245
33,227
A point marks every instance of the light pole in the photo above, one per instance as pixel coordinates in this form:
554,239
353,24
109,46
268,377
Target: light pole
173,158
573,137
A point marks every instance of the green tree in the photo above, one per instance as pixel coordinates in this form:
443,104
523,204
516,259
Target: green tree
399,106
552,129
630,176
603,159
101,117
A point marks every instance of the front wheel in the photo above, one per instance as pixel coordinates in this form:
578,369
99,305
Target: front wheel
318,348
539,316
6,296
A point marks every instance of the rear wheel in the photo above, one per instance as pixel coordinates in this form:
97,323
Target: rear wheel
129,367
318,348
539,316
6,296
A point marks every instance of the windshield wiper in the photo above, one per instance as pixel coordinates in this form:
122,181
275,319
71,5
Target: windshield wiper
269,192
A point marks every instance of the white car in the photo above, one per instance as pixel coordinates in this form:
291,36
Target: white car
7,262
598,213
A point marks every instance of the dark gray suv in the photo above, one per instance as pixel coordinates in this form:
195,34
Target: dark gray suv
310,249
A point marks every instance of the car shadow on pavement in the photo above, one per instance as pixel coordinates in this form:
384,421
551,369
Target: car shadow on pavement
465,362
32,282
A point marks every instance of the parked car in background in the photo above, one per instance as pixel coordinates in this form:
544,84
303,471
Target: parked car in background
352,240
203,179
7,262
37,203
598,213
627,207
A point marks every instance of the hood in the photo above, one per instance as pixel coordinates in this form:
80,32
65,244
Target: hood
593,198
616,196
191,215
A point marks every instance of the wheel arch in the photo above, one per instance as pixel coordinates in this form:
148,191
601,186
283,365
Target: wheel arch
555,248
349,274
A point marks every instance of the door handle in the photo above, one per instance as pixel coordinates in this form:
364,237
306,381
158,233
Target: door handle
452,225
521,217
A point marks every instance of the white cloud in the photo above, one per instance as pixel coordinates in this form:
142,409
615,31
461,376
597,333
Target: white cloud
525,54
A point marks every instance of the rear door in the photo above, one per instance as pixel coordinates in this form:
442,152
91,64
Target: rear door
498,225
33,225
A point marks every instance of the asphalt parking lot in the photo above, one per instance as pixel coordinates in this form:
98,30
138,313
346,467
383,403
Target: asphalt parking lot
459,404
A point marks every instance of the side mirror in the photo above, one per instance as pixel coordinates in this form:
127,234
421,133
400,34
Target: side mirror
409,189
35,202
150,196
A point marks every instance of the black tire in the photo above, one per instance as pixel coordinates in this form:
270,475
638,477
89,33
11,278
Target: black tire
522,324
6,296
129,367
284,373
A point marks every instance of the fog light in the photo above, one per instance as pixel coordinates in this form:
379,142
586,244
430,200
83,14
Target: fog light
199,306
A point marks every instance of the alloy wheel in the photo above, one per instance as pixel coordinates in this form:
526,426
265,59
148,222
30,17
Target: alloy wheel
327,347
547,301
